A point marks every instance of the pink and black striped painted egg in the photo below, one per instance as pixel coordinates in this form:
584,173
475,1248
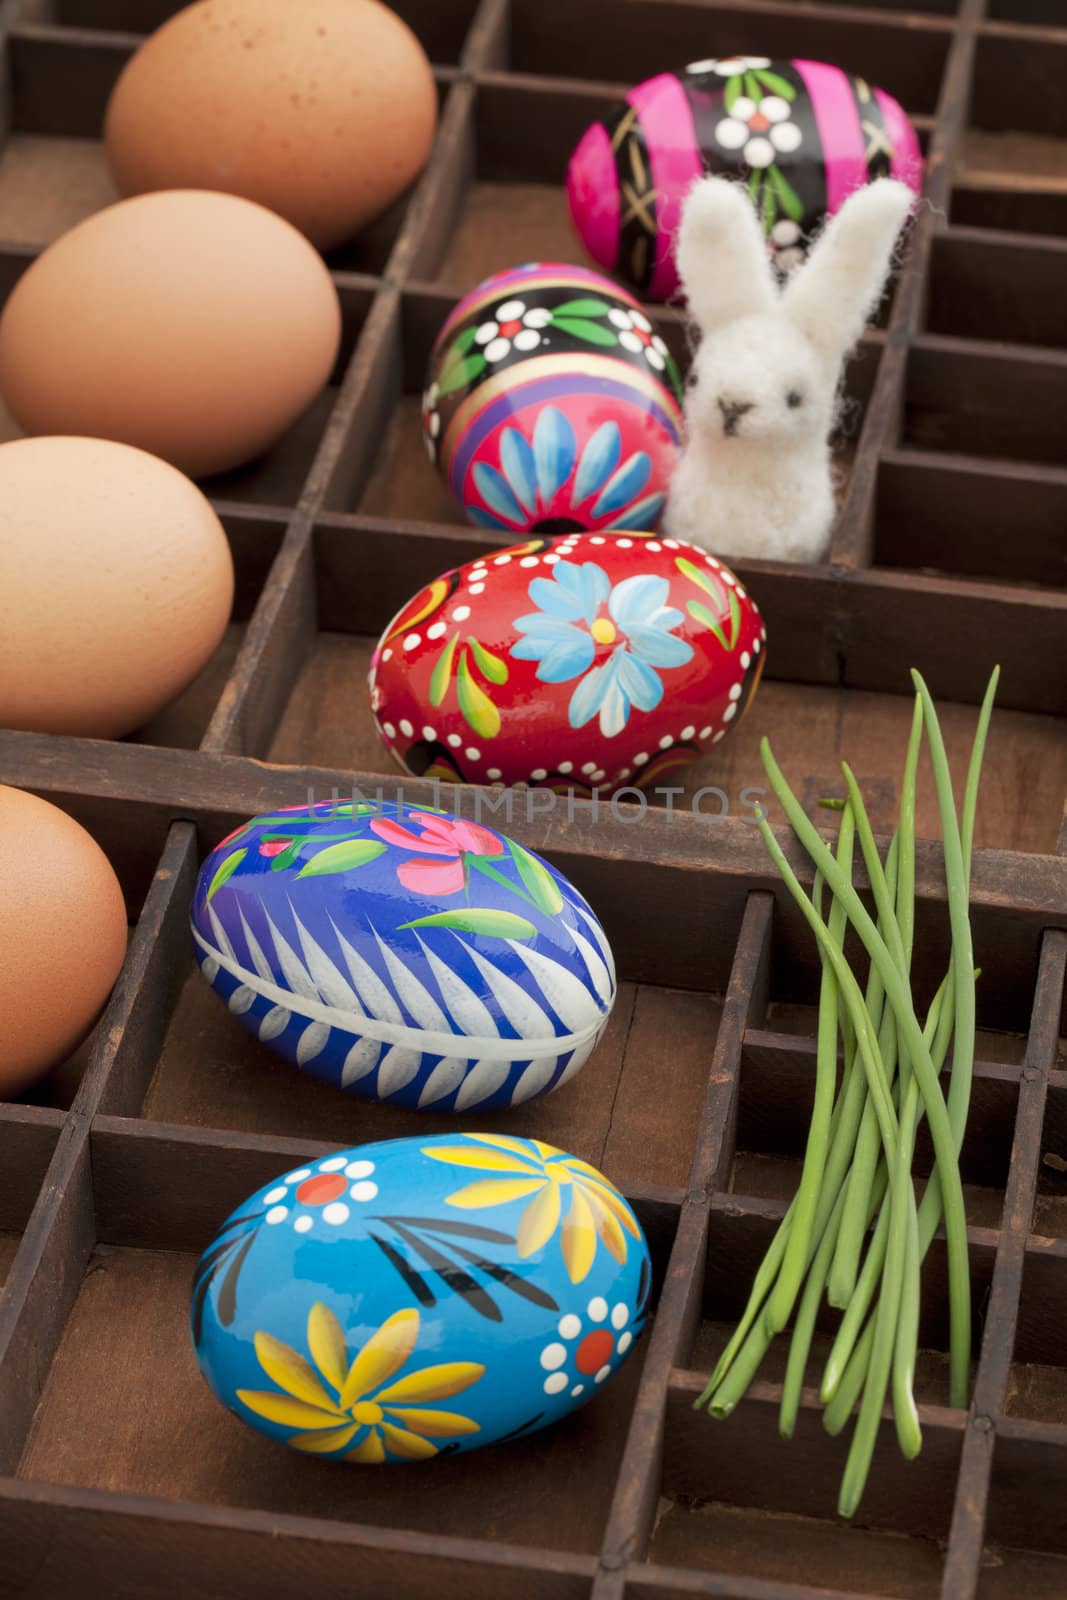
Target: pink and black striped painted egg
803,135
552,406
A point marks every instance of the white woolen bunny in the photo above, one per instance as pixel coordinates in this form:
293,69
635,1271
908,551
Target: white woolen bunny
755,476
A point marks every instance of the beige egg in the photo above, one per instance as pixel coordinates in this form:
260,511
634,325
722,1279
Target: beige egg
116,584
62,936
194,325
323,110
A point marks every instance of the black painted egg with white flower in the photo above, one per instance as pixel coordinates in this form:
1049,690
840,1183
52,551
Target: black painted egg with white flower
404,954
552,405
802,134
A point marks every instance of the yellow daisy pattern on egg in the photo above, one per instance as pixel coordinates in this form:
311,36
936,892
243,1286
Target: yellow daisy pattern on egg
562,1191
334,1403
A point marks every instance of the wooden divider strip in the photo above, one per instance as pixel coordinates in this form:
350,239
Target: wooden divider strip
119,1073
637,1486
56,1532
276,642
854,535
43,1284
654,1582
964,1558
133,1546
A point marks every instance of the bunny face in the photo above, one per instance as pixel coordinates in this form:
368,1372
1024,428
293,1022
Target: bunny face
759,378
755,478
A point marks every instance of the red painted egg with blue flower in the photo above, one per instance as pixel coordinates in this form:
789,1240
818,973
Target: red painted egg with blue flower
552,405
578,661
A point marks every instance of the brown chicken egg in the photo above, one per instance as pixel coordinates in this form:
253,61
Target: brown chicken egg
62,936
116,584
195,325
323,110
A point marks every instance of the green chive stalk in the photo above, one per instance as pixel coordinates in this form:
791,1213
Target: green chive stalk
867,1283
841,1386
798,1251
857,1171
898,995
894,893
804,1328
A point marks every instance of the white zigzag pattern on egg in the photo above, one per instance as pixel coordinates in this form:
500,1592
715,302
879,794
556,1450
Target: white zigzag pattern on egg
357,1001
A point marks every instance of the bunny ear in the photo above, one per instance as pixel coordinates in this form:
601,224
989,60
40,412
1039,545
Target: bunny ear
722,256
832,295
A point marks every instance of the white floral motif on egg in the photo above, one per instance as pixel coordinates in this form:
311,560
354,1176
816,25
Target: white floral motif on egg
320,1194
635,334
512,326
585,1346
761,130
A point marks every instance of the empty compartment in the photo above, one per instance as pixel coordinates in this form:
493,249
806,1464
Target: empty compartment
1003,403
1050,1205
963,515
986,286
1037,1386
986,198
1026,1539
1017,74
511,204
1040,13
735,1498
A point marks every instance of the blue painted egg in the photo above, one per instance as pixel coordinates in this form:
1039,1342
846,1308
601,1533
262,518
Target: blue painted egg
404,954
420,1297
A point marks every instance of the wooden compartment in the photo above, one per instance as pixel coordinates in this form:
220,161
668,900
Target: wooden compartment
117,1465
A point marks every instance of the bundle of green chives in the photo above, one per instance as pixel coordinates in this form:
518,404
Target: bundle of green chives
854,1231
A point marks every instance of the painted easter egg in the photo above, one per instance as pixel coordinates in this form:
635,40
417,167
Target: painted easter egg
552,405
404,954
803,134
578,662
420,1297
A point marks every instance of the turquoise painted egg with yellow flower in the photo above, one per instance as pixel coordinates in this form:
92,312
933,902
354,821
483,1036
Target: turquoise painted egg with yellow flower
420,1297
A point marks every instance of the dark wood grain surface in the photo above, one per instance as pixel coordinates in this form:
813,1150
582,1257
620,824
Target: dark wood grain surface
123,1476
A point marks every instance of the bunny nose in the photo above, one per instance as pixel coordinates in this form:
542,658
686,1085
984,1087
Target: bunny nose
732,412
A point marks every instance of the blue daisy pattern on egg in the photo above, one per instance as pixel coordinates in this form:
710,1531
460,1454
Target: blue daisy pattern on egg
578,610
550,479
